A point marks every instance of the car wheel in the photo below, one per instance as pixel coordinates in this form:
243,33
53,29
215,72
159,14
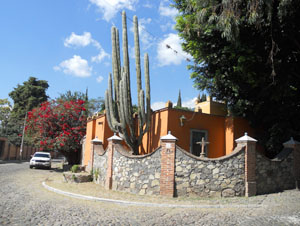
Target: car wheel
30,167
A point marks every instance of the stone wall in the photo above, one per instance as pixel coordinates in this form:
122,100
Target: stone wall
136,174
210,177
171,171
100,166
275,175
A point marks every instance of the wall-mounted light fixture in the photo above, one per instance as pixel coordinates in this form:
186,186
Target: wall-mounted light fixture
182,120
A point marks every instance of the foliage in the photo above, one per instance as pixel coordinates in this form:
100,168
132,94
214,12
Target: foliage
96,105
96,174
248,52
5,111
26,97
58,125
72,96
119,108
75,168
203,97
179,100
183,108
92,105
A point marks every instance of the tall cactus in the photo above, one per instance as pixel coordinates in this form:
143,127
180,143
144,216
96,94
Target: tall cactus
118,104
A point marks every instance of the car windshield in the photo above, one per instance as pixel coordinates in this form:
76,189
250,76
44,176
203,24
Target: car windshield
41,155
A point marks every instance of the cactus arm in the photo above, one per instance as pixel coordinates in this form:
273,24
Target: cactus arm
118,103
128,108
142,115
115,64
118,54
126,58
122,106
147,84
114,122
147,116
137,56
107,112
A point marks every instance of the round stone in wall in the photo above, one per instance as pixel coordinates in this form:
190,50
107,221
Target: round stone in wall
228,192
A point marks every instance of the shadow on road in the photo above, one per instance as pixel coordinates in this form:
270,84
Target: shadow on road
13,161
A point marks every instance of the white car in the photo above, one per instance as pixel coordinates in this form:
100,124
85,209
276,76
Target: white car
40,159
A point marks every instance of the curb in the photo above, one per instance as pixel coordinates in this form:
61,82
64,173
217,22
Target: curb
144,204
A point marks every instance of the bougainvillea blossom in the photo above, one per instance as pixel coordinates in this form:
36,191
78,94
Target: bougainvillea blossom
58,126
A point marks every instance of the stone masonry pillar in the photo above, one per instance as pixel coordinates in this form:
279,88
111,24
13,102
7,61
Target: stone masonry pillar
112,141
296,161
250,163
95,143
167,175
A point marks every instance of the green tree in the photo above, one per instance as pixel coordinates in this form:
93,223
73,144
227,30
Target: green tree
58,126
5,110
203,97
96,105
248,53
179,100
26,97
92,105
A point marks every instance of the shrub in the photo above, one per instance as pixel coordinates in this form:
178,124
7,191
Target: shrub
75,168
96,174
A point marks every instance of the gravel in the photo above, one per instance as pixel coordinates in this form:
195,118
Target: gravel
24,201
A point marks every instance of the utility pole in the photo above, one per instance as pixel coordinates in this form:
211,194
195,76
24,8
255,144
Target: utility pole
23,134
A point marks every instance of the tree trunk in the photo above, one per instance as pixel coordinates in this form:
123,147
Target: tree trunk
73,157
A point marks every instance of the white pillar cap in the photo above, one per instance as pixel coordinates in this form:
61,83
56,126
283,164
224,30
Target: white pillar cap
245,139
169,136
96,140
115,137
290,143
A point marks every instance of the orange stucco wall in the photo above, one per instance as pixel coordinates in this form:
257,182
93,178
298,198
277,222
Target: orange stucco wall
229,135
214,125
103,131
222,131
158,128
90,134
235,128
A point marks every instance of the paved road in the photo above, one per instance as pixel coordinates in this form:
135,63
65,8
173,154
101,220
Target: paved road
23,201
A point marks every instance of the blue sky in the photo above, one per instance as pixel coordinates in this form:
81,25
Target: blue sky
68,43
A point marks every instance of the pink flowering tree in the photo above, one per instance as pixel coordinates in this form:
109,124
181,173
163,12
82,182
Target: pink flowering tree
58,125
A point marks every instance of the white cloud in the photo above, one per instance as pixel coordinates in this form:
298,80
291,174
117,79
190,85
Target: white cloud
75,66
84,40
189,103
109,8
75,40
166,10
165,27
99,79
100,56
168,56
158,105
56,68
148,5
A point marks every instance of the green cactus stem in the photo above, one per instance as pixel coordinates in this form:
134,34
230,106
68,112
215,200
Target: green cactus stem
118,102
